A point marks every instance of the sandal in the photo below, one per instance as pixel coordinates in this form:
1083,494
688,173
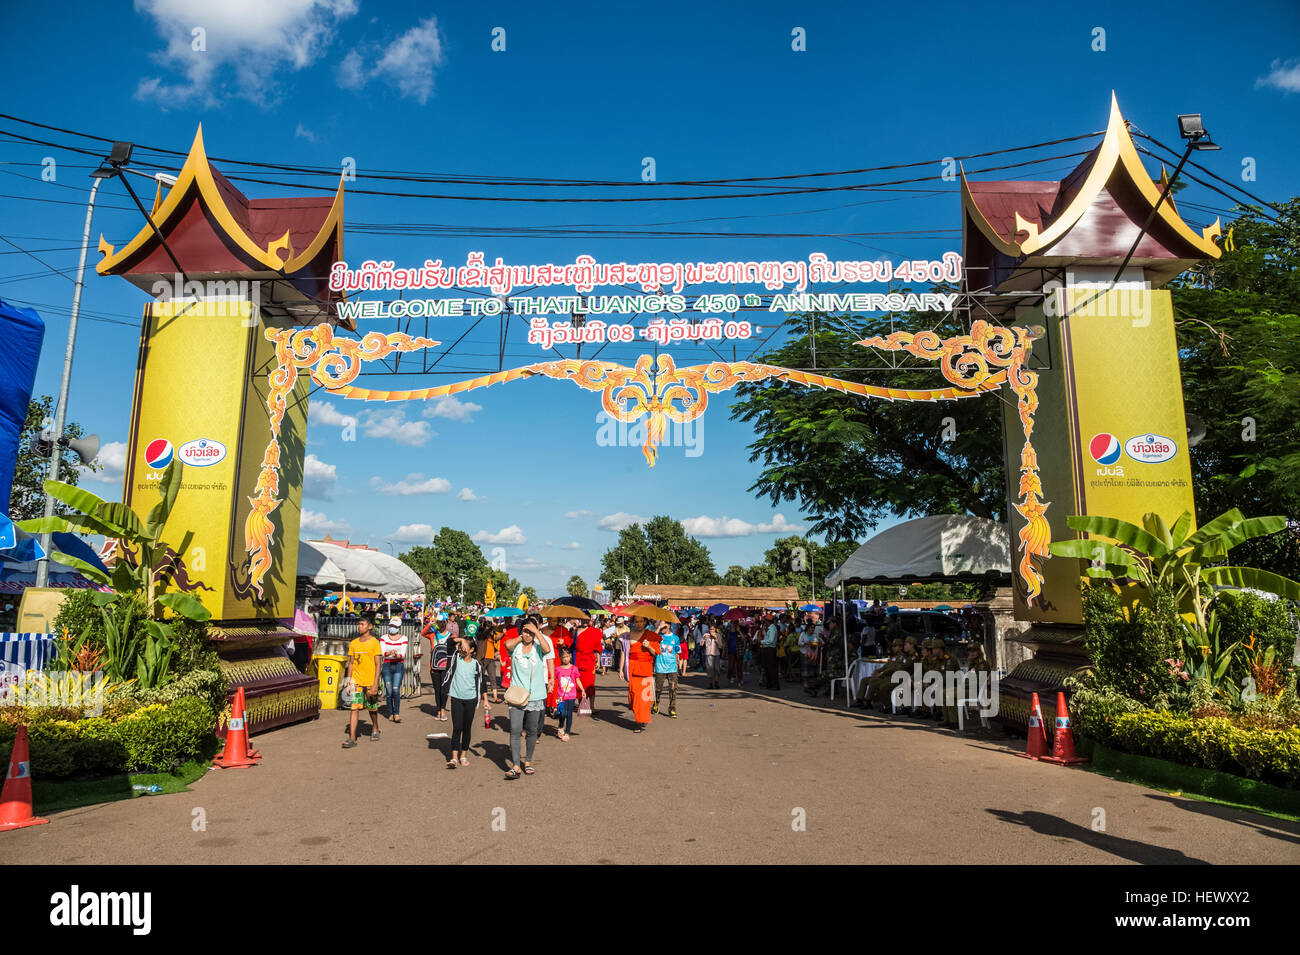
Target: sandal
349,743
451,764
375,736
464,760
528,770
512,773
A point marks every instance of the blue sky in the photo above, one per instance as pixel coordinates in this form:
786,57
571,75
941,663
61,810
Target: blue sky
586,91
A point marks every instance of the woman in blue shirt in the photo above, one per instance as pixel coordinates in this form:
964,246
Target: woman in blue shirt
465,684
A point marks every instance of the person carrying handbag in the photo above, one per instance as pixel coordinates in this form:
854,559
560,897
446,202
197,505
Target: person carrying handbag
532,675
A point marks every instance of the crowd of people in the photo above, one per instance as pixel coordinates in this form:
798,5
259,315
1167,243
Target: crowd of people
541,668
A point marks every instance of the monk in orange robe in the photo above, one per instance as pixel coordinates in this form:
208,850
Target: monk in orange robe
643,649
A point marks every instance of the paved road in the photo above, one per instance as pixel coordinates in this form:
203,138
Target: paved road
724,783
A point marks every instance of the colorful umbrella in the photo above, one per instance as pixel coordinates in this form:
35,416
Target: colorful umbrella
811,608
562,611
651,612
582,603
717,610
504,612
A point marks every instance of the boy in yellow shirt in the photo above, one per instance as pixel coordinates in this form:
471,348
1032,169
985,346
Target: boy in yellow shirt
363,666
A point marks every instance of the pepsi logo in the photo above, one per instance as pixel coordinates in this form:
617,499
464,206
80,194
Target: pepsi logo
1105,448
202,452
158,454
1150,448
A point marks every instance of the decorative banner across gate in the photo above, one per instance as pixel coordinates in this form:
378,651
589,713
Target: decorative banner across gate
974,364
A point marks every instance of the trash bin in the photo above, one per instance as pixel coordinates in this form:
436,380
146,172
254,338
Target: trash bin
329,668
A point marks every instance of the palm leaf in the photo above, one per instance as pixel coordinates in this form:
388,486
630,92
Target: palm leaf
83,567
1180,528
169,487
1155,524
1091,550
123,517
1250,528
1121,531
1215,527
77,498
67,523
1252,578
185,605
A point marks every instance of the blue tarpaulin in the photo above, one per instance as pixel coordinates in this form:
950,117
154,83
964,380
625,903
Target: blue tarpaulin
21,331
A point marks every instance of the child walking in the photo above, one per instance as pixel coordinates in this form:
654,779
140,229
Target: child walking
568,683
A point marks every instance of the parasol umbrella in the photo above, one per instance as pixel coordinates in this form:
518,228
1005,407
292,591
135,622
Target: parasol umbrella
717,610
504,612
651,612
579,601
562,611
811,608
735,613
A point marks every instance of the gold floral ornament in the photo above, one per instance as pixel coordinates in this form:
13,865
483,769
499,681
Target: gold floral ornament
993,353
335,362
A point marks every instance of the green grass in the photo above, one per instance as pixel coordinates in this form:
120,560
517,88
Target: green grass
58,795
1191,782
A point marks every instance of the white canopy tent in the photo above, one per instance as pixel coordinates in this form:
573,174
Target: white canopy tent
941,545
327,564
938,547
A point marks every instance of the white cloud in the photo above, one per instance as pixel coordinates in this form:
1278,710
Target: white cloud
407,63
616,522
413,533
322,412
1284,75
572,545
466,495
578,515
243,46
393,424
112,459
302,132
318,523
318,478
411,485
452,408
507,535
704,526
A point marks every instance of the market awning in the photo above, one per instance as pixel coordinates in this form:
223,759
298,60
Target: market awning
941,547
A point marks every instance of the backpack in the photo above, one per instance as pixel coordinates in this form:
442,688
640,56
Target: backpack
441,655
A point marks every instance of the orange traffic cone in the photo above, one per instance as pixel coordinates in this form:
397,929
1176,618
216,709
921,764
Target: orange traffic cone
237,753
1036,745
16,798
1063,741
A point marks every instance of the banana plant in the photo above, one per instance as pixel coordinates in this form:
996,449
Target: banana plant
90,514
1158,556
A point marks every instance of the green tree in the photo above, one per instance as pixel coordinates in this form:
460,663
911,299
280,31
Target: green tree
675,557
848,462
576,587
629,558
661,552
505,586
1238,321
452,555
530,593
27,499
734,575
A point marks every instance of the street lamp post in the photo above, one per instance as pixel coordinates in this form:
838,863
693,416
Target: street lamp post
462,588
119,156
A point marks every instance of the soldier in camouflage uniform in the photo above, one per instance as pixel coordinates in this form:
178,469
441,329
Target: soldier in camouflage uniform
864,687
880,686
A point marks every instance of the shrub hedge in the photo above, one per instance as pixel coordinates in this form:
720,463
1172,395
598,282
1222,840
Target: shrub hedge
1215,742
154,738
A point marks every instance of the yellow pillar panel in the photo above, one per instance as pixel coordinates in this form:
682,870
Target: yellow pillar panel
200,398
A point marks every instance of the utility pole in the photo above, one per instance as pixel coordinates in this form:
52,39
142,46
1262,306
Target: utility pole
462,588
